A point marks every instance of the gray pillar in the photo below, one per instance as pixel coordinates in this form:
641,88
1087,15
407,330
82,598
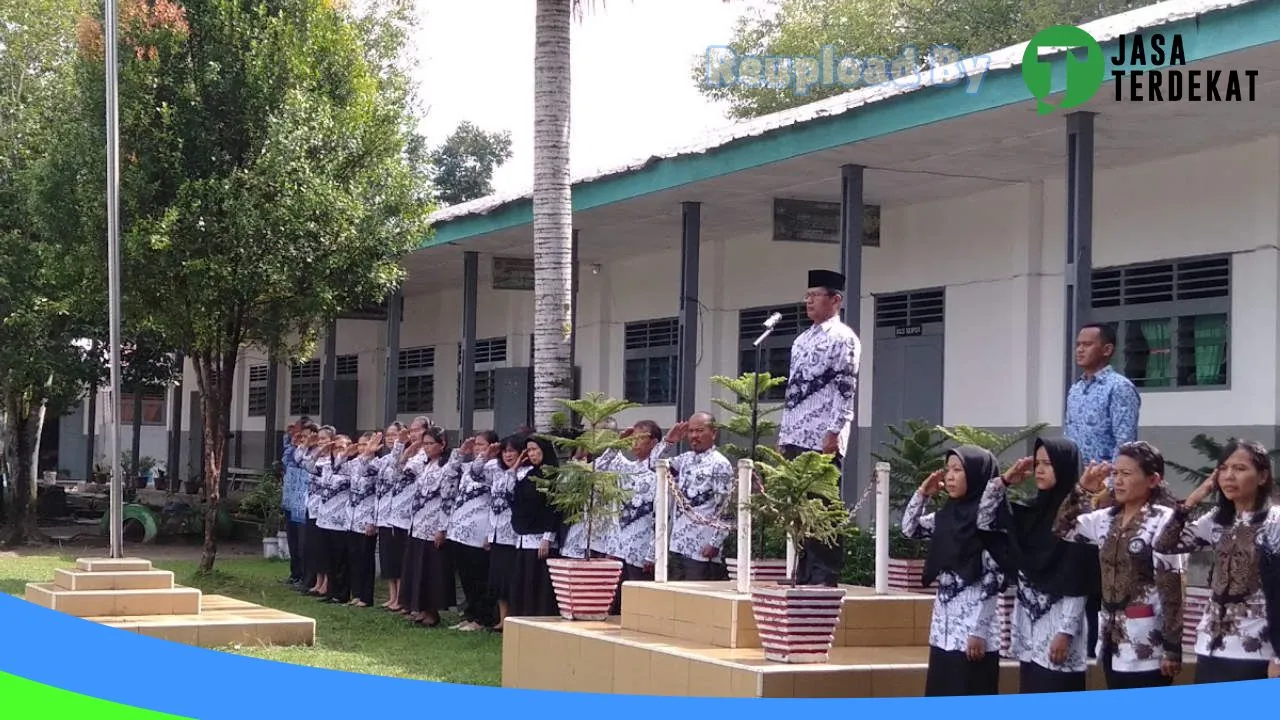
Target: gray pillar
175,425
852,214
686,375
467,381
271,450
1079,270
328,375
395,312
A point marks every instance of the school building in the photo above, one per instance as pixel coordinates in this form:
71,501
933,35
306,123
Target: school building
967,292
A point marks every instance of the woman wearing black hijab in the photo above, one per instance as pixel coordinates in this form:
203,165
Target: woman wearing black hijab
965,557
537,525
1055,577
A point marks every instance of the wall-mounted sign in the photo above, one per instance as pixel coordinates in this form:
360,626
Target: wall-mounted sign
512,273
908,330
817,221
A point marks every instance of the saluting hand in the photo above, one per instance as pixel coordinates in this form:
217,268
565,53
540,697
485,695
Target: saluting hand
1019,472
931,484
1094,477
1198,495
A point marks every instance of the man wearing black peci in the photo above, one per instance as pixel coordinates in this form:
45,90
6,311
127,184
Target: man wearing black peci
820,403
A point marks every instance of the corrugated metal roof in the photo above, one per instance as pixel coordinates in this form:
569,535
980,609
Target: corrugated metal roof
1104,30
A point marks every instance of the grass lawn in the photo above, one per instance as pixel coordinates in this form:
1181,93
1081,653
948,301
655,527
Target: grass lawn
367,640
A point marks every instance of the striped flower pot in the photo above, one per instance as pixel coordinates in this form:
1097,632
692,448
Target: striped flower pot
904,575
1005,610
1192,610
584,588
796,624
762,571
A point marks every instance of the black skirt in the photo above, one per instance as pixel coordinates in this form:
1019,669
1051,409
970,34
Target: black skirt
951,673
317,552
434,588
502,567
1218,670
391,543
532,594
411,573
1033,678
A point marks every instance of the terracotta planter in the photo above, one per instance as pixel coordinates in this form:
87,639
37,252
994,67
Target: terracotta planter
904,576
762,571
796,624
584,588
1197,600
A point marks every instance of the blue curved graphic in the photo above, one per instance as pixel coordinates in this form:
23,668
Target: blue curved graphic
47,647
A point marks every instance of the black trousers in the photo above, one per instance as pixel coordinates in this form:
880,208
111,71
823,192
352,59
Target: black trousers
293,531
951,673
472,564
1033,678
632,573
314,557
1219,670
339,572
683,569
1119,680
819,563
361,565
1092,607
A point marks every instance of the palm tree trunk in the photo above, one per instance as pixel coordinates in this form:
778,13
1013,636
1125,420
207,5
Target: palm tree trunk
552,211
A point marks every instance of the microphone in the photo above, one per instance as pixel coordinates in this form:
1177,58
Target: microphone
773,320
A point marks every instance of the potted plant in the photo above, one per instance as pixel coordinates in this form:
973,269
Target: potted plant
585,589
749,390
801,498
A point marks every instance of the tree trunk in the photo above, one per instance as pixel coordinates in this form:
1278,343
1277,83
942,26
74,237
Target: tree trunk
552,212
25,422
214,376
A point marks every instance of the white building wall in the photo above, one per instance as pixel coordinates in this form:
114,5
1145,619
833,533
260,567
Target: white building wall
1000,256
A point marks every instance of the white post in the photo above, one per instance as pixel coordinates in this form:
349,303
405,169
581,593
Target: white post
745,468
791,558
115,511
882,528
661,514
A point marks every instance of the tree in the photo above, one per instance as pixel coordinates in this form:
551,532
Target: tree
43,298
916,33
271,178
463,165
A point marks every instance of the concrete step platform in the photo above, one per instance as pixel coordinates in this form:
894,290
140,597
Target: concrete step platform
113,565
97,603
113,580
223,622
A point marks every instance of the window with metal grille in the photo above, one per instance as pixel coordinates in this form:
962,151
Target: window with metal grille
257,405
154,403
304,388
491,353
416,380
1172,320
775,351
918,307
347,367
650,357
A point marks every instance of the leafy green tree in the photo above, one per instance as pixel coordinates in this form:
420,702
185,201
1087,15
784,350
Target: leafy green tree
462,166
271,177
922,31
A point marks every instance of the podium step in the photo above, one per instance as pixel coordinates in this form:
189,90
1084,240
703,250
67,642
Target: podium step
97,603
113,565
80,580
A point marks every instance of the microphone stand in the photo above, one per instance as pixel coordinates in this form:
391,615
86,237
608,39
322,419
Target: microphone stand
755,410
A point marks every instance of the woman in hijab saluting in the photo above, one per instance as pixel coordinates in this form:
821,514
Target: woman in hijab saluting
965,558
1055,577
537,525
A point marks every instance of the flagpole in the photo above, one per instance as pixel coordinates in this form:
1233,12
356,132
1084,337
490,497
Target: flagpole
113,278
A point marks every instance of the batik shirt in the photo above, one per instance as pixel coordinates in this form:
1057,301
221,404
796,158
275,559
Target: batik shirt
335,493
602,528
469,523
404,489
502,485
1102,414
821,386
532,541
632,540
364,492
960,610
1140,623
1234,624
388,472
295,483
437,485
309,463
706,482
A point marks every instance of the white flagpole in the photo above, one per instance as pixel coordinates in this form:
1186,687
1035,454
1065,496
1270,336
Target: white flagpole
113,277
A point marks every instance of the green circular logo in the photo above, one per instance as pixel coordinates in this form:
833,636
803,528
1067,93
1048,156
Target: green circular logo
1084,77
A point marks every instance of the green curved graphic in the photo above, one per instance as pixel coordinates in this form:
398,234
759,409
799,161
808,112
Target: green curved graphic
1084,77
42,701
